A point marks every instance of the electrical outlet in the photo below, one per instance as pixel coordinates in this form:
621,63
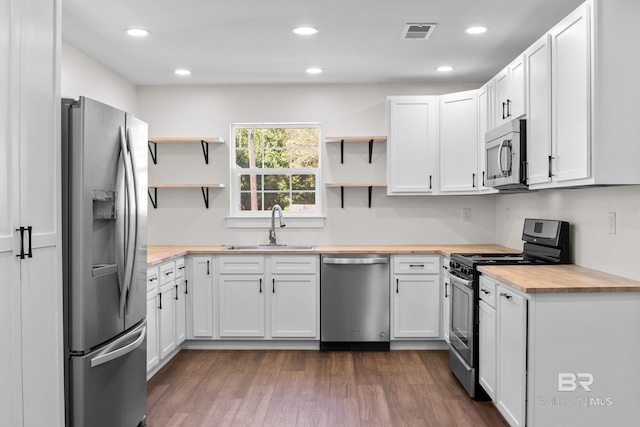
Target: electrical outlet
466,214
612,223
507,214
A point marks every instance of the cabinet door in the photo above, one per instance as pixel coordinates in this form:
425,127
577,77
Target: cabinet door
459,143
200,290
516,104
503,93
571,95
181,311
153,353
539,111
416,306
512,356
167,320
487,349
241,305
412,148
485,96
294,306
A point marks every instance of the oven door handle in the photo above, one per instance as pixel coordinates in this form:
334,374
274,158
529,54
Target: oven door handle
460,281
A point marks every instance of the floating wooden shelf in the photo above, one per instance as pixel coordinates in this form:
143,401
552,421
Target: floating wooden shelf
369,185
343,139
204,141
203,187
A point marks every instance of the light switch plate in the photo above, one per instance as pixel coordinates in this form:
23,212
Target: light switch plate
612,223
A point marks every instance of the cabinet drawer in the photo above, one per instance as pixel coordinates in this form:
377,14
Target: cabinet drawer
152,279
488,291
241,264
294,264
416,264
167,272
180,268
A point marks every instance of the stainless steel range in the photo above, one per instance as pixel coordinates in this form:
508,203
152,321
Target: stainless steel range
546,242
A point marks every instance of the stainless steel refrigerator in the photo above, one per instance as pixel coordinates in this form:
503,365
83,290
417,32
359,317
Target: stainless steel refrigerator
104,163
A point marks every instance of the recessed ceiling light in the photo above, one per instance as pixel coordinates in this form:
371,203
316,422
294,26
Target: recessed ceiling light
137,32
476,30
314,70
444,68
305,31
182,72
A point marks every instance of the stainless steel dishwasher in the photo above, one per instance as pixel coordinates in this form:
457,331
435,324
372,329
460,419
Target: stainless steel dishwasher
354,302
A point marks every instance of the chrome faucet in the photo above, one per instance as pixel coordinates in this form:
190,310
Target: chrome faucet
272,230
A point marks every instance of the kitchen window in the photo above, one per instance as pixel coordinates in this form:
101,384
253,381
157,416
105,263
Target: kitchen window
275,164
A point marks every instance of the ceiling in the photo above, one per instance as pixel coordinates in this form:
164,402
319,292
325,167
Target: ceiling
251,41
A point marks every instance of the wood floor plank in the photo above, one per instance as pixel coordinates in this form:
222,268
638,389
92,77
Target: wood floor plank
312,388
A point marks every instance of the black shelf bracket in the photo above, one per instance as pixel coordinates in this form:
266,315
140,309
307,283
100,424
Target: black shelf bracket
154,198
205,150
153,152
370,155
342,196
342,151
205,196
370,191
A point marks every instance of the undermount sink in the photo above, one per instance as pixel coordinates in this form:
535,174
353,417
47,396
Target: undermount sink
268,247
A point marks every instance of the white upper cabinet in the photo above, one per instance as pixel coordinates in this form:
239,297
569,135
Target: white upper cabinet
538,58
583,99
412,147
459,145
510,92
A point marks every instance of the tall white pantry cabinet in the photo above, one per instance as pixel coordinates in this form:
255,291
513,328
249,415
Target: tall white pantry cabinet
31,357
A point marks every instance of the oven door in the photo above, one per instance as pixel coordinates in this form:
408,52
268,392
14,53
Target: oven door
461,334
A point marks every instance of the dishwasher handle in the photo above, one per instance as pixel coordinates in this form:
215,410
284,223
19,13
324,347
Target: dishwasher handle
355,261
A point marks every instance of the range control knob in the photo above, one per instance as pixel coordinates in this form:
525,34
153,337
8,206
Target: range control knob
451,264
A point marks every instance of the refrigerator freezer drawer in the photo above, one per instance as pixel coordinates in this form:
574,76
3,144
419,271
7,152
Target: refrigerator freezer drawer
109,386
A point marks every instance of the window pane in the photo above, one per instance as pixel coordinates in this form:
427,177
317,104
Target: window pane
241,138
277,182
305,158
305,137
303,182
276,137
277,158
303,202
251,201
250,182
271,199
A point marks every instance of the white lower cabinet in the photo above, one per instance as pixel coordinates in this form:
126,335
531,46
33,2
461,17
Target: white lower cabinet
279,299
487,345
241,305
180,302
167,320
415,308
446,299
153,352
200,297
512,355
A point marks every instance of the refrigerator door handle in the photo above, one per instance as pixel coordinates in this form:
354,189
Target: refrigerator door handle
134,217
130,221
109,354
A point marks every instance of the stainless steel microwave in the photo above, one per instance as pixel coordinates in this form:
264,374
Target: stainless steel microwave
506,156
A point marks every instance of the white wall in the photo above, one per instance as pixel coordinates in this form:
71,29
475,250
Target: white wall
84,76
587,211
181,217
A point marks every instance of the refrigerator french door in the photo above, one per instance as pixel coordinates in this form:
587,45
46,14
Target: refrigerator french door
104,153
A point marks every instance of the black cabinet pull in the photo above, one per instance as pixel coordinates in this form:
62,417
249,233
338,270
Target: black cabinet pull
506,295
208,268
160,302
508,108
416,265
550,163
21,254
30,254
176,288
430,186
273,289
260,285
186,287
473,180
397,283
503,115
483,184
446,286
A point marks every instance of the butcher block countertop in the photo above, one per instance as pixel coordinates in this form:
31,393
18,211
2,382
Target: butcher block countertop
569,278
158,254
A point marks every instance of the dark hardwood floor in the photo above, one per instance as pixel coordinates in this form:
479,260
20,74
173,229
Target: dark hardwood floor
312,388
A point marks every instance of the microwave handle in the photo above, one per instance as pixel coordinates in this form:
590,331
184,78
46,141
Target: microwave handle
506,143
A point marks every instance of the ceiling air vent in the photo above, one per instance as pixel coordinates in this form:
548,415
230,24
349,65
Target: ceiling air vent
418,31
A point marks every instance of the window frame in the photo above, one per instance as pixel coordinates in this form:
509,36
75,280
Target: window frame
254,217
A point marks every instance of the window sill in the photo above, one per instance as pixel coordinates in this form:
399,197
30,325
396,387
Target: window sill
265,222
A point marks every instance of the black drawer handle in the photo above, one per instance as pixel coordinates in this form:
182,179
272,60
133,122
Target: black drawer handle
485,291
416,265
506,295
